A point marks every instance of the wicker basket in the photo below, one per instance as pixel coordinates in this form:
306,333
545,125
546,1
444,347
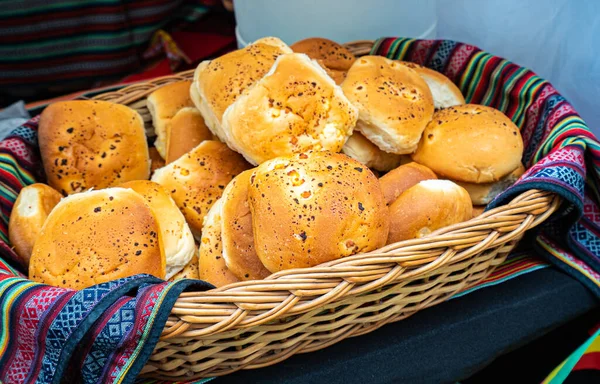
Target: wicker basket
254,324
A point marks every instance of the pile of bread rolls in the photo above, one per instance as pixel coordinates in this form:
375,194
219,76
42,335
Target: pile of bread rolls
273,157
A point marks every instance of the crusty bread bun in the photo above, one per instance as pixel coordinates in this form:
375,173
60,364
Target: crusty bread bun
445,93
314,207
197,179
163,104
470,143
32,207
482,194
185,131
426,207
218,83
394,103
395,182
92,144
178,241
333,57
191,270
294,108
155,159
97,236
237,234
360,148
211,262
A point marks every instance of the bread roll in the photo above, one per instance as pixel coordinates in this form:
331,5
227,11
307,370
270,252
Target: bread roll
394,103
218,83
211,261
470,143
92,144
333,57
395,182
360,148
32,207
163,104
156,161
482,194
191,270
97,236
178,241
478,210
294,108
426,207
314,207
445,93
237,234
185,131
197,179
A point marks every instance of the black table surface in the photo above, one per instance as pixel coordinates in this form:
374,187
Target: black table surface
446,343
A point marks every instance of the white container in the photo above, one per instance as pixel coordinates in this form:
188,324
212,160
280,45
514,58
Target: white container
338,20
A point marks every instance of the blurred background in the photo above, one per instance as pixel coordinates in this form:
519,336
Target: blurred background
52,48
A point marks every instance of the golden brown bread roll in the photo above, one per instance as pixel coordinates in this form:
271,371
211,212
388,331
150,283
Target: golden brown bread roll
394,102
333,57
360,148
426,207
163,104
237,234
478,210
482,194
470,143
92,144
29,213
178,241
97,236
294,108
211,262
155,159
191,270
197,179
445,93
315,207
218,83
395,182
185,131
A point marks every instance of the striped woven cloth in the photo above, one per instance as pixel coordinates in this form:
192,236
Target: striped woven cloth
107,332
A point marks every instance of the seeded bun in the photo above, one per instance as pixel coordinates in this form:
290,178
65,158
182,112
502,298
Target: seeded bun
163,104
311,208
29,213
211,261
471,143
445,93
237,235
178,241
92,144
185,131
395,182
155,159
394,103
426,207
360,148
483,194
218,83
97,236
191,270
335,58
294,108
197,179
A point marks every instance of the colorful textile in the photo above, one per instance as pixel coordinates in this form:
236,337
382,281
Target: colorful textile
561,153
578,365
106,333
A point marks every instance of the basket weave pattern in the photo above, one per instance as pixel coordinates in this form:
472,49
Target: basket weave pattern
254,324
